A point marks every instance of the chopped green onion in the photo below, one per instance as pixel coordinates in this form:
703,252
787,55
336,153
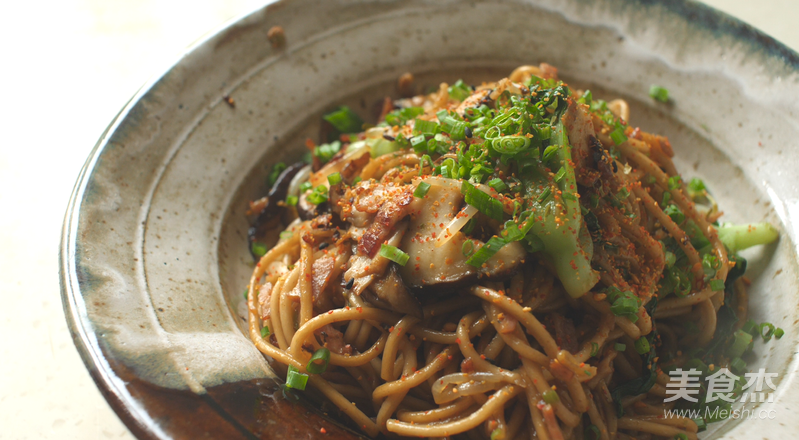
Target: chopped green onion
659,93
497,184
295,379
258,249
544,194
344,120
740,343
425,127
394,254
670,259
769,330
488,250
750,326
697,185
247,295
619,347
700,424
674,182
459,91
618,135
717,285
305,186
737,365
285,235
592,433
319,361
550,397
497,434
550,153
560,174
419,143
594,349
681,436
482,201
624,306
325,152
292,200
318,196
334,179
642,345
468,248
421,189
401,116
778,333
675,213
275,173
265,331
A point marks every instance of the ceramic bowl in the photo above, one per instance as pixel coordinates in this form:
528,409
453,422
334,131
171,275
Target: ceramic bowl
154,257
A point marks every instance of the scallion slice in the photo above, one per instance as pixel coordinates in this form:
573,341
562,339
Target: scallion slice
675,213
488,250
258,249
421,189
700,424
482,201
265,331
550,397
319,361
619,347
717,285
497,184
594,349
292,200
425,127
318,196
394,254
618,135
769,330
738,365
778,333
344,120
740,343
468,248
642,345
295,379
659,93
334,179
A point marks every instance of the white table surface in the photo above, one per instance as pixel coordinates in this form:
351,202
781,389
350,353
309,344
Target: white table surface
68,67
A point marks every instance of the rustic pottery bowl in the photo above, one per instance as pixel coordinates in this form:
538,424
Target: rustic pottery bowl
154,257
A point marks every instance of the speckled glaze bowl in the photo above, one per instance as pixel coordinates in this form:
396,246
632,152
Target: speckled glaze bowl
154,258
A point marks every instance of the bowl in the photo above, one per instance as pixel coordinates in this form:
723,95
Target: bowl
154,257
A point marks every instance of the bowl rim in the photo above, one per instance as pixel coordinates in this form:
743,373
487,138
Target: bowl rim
135,417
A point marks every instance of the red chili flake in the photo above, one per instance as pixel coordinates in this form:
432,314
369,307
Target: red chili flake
359,309
323,431
458,340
